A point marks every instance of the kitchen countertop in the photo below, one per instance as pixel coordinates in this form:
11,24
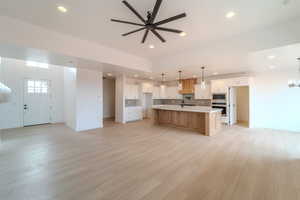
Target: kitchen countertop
200,109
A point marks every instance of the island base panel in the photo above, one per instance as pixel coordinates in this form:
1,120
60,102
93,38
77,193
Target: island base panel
205,123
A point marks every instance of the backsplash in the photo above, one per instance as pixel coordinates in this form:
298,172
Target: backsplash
197,102
132,102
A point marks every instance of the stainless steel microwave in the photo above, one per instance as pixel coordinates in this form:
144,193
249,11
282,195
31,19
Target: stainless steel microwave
219,96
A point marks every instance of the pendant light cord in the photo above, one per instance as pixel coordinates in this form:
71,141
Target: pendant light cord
202,73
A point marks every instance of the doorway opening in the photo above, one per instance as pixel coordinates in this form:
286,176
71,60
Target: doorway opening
239,106
109,103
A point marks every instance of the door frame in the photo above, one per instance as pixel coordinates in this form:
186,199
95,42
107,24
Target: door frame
236,109
49,94
230,105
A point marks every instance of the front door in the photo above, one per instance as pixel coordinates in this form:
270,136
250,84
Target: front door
36,102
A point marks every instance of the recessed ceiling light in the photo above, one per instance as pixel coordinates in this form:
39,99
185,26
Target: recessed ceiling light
109,74
230,15
62,9
151,46
271,57
182,34
215,73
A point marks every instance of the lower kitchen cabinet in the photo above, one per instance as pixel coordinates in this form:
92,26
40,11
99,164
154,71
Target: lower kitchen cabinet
134,113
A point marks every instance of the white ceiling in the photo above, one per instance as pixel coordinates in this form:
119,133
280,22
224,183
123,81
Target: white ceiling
205,20
276,59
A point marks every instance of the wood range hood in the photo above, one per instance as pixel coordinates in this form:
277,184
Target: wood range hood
188,86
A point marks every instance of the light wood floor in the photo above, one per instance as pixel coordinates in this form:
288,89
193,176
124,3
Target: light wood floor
139,161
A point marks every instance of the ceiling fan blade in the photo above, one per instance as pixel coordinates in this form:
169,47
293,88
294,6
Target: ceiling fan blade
126,22
168,30
158,35
170,19
145,36
155,11
137,30
134,11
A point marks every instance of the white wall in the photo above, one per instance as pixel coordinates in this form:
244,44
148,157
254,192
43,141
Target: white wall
89,100
272,104
70,97
109,91
242,104
13,73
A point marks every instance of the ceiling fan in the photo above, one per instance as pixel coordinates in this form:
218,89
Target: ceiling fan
149,24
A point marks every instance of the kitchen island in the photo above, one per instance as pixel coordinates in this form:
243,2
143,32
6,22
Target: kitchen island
204,119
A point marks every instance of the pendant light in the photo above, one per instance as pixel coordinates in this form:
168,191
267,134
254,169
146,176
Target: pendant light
179,81
295,83
162,80
202,85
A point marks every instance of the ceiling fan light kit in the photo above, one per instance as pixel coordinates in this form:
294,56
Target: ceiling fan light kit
149,24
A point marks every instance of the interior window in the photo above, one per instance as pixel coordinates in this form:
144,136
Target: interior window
37,86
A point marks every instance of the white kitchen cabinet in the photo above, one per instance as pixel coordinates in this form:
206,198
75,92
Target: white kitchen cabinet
222,85
156,92
133,113
163,92
202,93
240,81
219,86
147,88
132,91
172,93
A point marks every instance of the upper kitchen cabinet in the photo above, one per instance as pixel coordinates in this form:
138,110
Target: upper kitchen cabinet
166,92
240,81
132,91
156,92
163,92
159,92
219,86
147,87
172,93
188,86
201,93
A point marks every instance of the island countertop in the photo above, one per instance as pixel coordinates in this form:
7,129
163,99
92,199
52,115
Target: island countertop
199,109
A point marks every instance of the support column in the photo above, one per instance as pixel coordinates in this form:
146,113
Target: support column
83,99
